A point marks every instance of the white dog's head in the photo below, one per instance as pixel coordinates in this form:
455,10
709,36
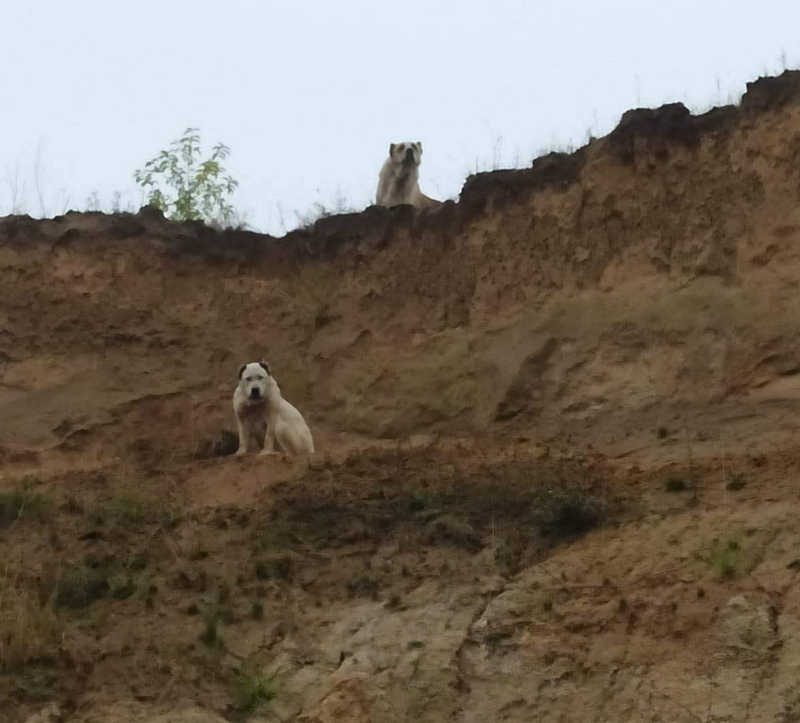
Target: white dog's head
254,380
407,154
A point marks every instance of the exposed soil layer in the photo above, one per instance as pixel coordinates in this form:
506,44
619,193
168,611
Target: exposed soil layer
558,463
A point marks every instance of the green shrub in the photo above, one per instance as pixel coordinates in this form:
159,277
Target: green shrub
80,586
252,691
187,188
568,511
21,503
724,558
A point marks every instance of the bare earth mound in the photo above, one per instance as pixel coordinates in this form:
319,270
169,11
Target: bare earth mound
558,452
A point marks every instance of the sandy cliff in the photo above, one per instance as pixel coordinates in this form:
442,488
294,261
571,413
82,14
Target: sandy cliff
619,323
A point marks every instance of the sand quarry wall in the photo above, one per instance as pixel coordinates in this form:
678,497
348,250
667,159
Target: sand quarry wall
647,282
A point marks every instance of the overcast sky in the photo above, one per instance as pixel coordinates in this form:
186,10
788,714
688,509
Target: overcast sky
308,95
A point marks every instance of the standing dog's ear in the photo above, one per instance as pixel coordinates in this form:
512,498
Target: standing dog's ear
241,369
391,149
419,146
265,367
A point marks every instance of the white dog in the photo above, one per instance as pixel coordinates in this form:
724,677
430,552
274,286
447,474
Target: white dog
263,415
398,182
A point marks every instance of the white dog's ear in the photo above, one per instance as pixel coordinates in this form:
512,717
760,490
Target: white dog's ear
241,369
265,367
391,149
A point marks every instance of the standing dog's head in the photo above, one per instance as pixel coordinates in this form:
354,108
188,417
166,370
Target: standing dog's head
254,380
407,154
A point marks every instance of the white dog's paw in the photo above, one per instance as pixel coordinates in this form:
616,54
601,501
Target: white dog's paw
240,452
267,453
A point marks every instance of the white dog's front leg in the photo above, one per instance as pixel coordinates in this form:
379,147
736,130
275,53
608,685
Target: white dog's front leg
243,438
269,441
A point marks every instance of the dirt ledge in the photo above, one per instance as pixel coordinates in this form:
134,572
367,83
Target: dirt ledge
660,128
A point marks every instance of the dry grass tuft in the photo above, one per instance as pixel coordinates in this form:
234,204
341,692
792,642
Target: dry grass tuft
29,627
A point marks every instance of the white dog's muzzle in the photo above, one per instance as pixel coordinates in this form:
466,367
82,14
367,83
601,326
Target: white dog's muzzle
255,394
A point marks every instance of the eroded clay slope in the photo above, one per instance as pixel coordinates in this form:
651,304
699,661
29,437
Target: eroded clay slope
558,466
647,280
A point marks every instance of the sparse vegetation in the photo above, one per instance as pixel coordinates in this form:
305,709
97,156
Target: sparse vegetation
80,585
394,602
736,482
676,484
450,528
724,558
508,552
115,204
568,511
137,561
252,691
101,576
72,505
277,534
132,510
223,593
168,517
278,567
318,210
121,586
29,627
211,635
197,551
146,589
125,509
187,188
21,503
363,586
519,508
